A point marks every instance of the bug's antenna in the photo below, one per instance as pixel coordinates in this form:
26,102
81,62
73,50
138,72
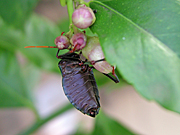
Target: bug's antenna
40,47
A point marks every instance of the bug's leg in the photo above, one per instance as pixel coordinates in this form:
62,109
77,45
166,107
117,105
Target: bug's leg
81,63
74,48
114,74
85,68
84,60
57,54
115,78
94,62
91,68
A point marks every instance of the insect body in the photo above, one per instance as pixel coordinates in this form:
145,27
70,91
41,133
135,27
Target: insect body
79,84
78,81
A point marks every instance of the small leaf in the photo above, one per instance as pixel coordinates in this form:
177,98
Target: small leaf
107,126
13,91
142,39
15,12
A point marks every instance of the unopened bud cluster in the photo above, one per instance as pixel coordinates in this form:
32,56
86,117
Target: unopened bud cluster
82,18
78,41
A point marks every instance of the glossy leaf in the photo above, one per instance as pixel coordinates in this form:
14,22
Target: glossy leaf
15,12
10,38
142,39
13,91
105,125
160,19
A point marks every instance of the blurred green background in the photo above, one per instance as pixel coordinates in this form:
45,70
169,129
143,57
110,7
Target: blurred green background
31,91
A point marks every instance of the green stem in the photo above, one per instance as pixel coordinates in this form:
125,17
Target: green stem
70,9
63,3
83,2
41,122
36,113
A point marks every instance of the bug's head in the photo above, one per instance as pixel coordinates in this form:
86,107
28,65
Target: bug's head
93,112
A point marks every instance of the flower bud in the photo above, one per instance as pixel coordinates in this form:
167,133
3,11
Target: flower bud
93,52
62,42
78,41
83,17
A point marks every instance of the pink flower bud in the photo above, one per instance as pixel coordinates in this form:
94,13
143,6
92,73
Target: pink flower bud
62,42
93,52
83,17
78,41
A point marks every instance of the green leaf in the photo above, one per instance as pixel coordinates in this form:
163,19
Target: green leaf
13,91
15,12
105,125
142,39
10,38
41,32
160,19
64,25
32,75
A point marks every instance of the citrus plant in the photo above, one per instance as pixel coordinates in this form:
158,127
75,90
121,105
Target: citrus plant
142,38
